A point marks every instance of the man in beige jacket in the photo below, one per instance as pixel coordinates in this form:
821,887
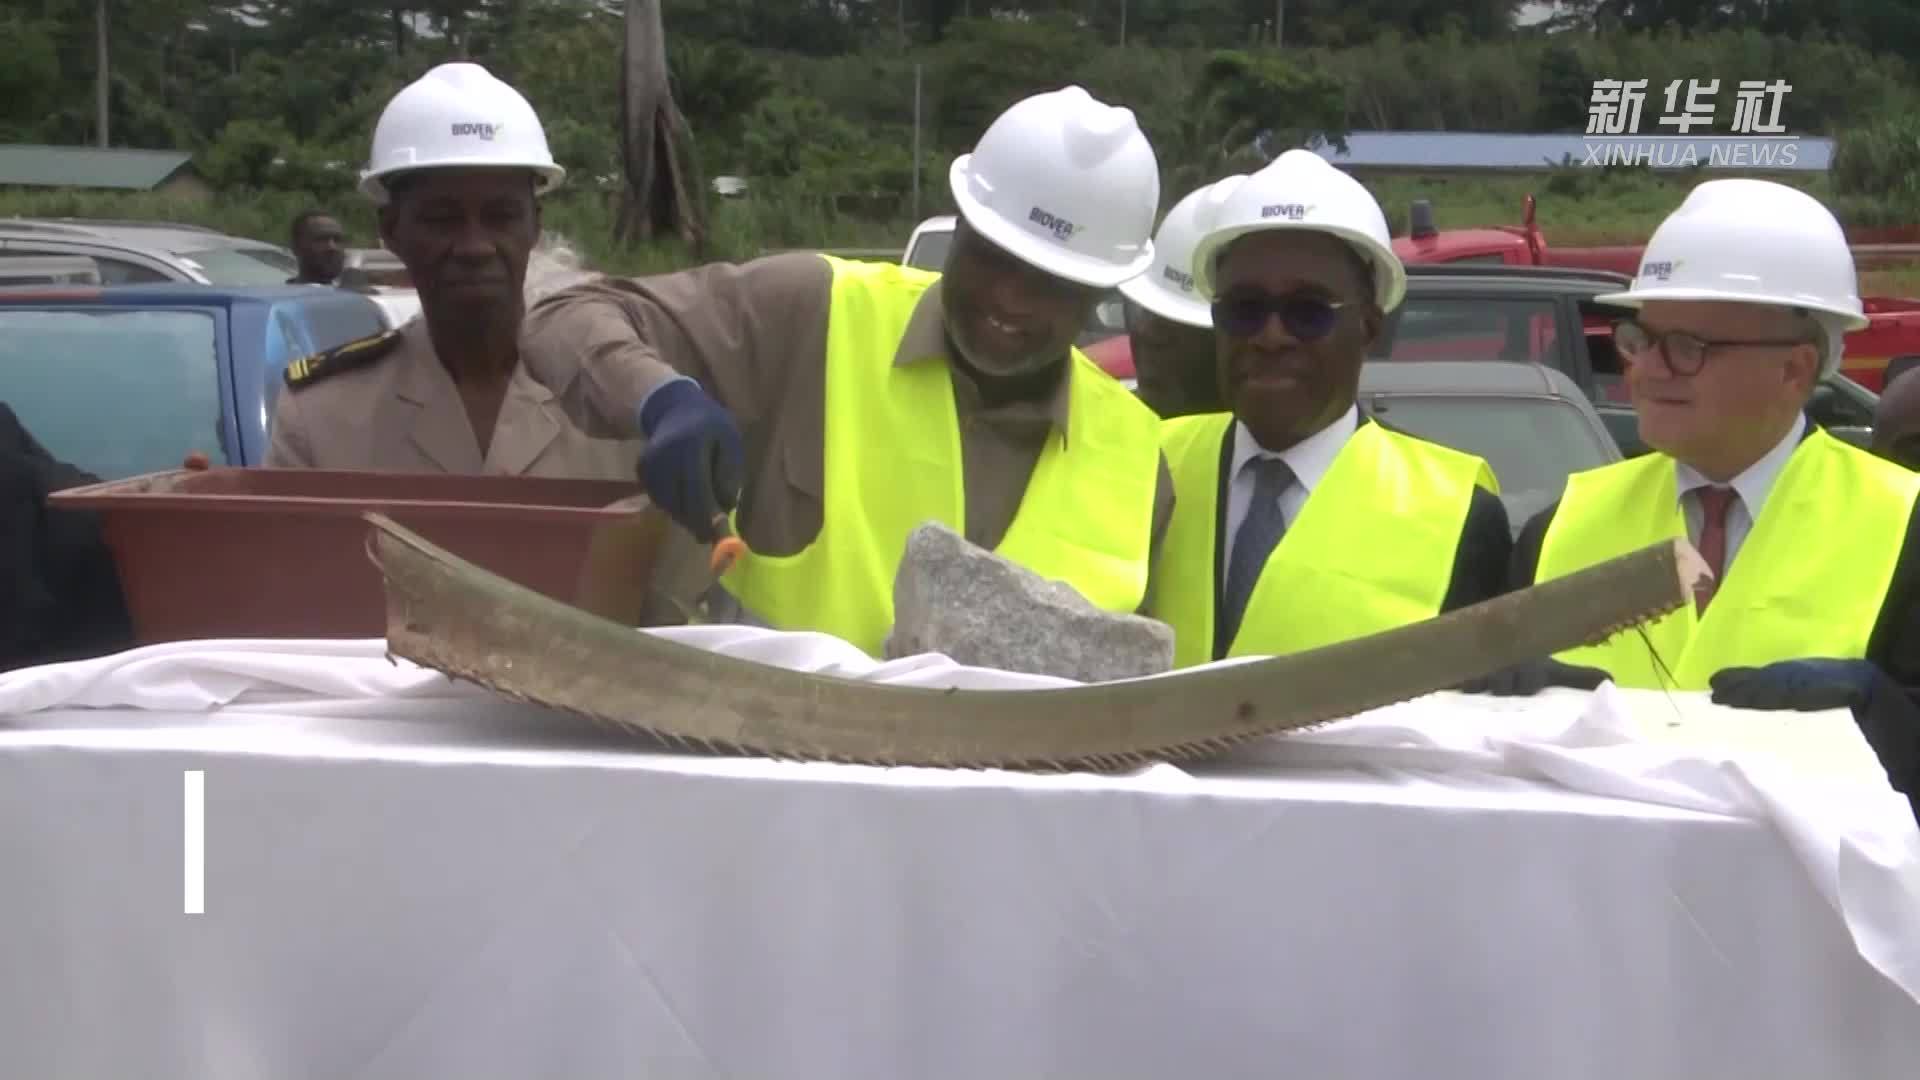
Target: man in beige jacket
458,163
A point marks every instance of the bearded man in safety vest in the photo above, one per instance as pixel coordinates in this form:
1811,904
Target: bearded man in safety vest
825,408
1301,521
1742,299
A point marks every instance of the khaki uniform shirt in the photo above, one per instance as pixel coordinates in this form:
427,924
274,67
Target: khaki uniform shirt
754,334
403,413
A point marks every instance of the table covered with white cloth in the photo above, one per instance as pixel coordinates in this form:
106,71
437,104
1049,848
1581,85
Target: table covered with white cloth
407,878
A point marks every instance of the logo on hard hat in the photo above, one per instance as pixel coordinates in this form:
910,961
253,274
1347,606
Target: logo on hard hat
1290,211
1659,271
1060,227
1175,275
485,131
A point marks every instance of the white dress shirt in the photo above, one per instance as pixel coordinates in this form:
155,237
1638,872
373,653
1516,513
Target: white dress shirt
1750,489
1310,458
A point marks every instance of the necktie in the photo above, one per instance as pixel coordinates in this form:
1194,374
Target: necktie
1254,540
1714,504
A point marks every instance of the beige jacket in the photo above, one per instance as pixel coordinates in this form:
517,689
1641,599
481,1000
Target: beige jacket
400,412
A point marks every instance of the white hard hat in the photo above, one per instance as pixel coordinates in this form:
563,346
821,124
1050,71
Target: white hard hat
1166,289
1299,190
1066,184
1753,242
458,116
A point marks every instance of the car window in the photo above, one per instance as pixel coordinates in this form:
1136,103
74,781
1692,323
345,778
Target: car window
239,266
1531,443
118,272
930,250
1473,328
117,393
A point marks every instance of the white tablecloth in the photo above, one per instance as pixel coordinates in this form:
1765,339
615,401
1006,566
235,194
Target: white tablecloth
408,878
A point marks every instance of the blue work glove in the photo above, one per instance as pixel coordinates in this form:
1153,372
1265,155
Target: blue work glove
1798,685
1528,679
694,460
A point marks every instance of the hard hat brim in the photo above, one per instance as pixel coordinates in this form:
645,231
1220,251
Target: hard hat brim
1146,291
1389,276
1633,298
1035,252
547,175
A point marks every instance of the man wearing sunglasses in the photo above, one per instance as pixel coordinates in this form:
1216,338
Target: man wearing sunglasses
1742,299
1300,521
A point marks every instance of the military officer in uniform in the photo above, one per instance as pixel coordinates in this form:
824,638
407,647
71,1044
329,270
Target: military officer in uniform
1300,521
459,162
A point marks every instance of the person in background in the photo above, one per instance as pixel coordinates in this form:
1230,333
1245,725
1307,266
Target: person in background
1301,521
60,593
319,245
1743,296
1896,422
459,163
822,409
1169,328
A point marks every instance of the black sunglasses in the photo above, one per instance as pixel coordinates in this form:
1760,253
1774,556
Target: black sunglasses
1305,317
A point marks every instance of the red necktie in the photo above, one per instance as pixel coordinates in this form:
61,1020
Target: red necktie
1714,504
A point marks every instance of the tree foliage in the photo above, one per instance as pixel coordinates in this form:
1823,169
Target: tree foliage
815,97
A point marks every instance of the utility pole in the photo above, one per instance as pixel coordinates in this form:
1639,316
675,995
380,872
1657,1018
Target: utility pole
100,89
1279,23
916,143
1123,23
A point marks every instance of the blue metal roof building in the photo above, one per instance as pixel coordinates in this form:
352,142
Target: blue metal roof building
1467,151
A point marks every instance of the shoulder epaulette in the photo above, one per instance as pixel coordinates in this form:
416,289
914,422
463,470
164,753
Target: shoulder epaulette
354,354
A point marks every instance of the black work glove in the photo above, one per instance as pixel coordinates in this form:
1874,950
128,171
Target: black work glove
1797,685
1885,713
693,464
1529,678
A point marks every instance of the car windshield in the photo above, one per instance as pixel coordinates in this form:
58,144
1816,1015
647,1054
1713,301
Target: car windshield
1532,443
115,392
243,265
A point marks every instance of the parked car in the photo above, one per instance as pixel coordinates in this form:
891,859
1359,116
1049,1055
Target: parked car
1548,315
130,380
927,249
1540,315
135,252
1532,424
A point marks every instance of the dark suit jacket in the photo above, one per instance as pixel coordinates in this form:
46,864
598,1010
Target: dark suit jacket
1893,647
60,595
1479,563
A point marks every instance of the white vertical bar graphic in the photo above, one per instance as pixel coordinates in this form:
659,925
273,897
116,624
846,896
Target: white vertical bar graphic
194,851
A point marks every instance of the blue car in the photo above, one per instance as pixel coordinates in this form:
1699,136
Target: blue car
131,379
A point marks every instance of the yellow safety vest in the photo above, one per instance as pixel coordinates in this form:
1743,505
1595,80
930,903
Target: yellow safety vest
1808,580
893,462
1372,549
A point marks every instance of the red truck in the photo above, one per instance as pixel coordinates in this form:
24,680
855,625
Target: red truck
1894,332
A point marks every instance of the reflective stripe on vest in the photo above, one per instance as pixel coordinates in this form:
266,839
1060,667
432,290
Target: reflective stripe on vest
892,462
1372,548
1807,582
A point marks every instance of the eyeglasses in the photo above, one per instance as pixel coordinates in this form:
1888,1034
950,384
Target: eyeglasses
1684,353
1305,317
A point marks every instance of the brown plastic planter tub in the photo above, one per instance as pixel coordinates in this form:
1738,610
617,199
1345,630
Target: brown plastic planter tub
253,552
